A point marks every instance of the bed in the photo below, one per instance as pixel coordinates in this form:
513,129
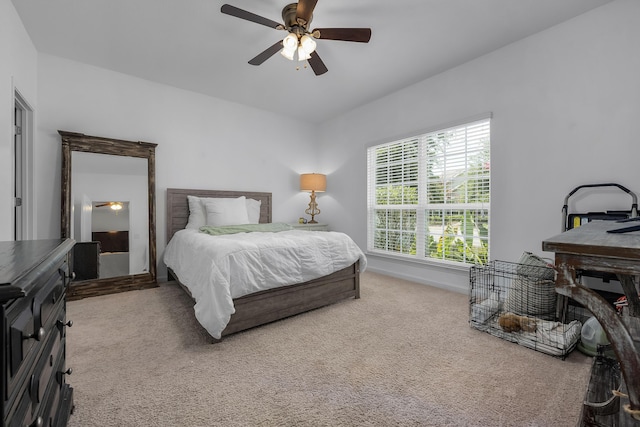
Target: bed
263,306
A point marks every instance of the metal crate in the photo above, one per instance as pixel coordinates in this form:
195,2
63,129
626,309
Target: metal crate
518,303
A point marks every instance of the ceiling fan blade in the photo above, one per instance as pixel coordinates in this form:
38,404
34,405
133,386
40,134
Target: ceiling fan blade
305,10
243,14
316,64
103,204
361,35
267,53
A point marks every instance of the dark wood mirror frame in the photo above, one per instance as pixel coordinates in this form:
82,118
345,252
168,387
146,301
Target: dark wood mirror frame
72,141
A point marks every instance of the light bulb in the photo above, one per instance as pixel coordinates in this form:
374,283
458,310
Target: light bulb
302,54
290,41
288,53
308,44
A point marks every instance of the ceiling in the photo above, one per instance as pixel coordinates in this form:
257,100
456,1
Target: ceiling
191,45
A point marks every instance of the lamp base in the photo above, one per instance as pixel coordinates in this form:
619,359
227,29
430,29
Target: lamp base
313,208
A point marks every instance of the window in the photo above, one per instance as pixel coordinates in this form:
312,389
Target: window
428,195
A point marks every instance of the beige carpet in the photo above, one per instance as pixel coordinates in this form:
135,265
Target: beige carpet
403,354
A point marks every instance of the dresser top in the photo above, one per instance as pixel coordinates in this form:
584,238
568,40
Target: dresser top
19,258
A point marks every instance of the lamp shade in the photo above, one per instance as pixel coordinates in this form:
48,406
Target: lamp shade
313,182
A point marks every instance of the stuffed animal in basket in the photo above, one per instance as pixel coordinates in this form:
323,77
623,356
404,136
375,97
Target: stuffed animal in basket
511,322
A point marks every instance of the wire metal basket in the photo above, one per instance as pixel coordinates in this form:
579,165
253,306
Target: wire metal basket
518,303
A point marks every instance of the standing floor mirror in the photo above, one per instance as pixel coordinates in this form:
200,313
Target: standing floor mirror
109,209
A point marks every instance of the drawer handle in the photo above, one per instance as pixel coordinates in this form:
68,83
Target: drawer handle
37,335
60,375
61,323
39,422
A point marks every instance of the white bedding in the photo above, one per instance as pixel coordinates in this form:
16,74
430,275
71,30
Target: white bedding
217,269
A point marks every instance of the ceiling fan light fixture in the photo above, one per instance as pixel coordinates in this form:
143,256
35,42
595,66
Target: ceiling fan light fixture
290,41
288,53
303,55
290,44
308,44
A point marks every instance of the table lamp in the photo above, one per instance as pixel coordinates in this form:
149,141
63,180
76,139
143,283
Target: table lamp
313,182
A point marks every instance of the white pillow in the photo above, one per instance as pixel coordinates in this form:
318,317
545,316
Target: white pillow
253,210
226,211
198,212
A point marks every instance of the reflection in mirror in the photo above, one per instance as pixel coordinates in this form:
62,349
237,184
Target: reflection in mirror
110,227
109,206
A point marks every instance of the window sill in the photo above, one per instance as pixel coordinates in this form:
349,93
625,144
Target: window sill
445,265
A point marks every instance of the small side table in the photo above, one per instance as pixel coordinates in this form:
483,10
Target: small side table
310,227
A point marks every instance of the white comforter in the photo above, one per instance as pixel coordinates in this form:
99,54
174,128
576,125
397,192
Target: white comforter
217,269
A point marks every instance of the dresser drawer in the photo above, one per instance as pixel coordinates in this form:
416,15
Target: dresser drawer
27,414
22,415
32,321
49,409
39,379
36,396
46,300
50,389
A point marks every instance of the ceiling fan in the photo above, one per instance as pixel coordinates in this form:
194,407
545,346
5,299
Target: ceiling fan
299,40
116,206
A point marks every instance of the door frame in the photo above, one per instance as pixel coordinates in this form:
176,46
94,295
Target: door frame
23,173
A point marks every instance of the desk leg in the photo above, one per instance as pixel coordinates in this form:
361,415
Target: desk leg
631,292
617,333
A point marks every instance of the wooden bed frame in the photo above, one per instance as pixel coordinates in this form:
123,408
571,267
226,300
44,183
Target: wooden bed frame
273,304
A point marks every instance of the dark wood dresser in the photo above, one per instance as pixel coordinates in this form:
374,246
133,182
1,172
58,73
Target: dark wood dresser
34,275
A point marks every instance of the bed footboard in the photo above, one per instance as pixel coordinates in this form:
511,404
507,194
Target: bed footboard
279,303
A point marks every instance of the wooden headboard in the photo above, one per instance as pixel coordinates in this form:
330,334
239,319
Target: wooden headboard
178,206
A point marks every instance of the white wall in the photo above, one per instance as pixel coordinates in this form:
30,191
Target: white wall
566,112
17,72
203,142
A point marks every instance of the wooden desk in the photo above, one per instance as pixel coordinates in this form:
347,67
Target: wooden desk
591,248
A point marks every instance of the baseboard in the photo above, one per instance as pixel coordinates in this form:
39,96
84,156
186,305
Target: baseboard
421,280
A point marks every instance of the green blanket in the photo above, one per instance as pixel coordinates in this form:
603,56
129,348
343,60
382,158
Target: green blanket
245,228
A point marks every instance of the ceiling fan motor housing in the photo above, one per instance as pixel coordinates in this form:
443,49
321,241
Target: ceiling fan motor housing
289,13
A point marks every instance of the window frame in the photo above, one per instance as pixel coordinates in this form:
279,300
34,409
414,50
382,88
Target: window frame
474,242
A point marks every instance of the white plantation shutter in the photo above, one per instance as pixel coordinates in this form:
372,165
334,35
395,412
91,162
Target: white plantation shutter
429,195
